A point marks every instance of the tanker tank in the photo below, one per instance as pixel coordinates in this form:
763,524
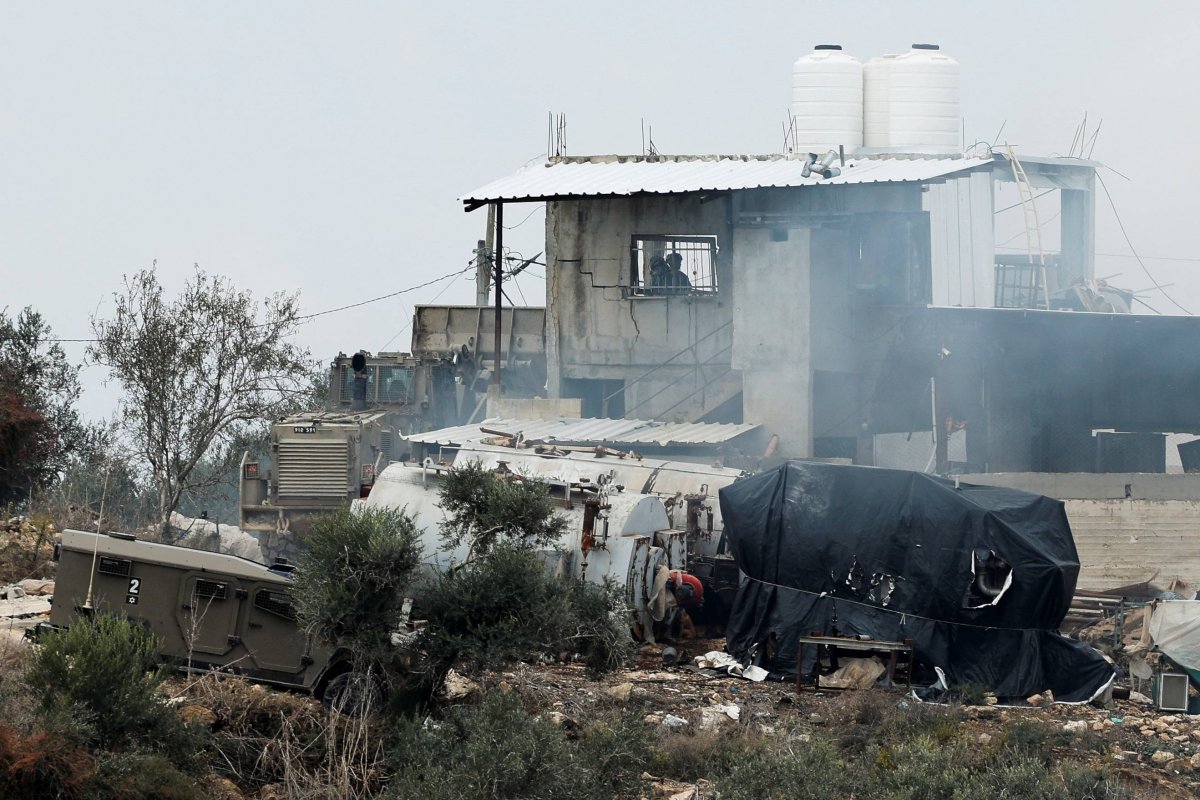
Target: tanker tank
611,534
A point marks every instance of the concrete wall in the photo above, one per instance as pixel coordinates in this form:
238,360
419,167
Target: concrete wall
531,407
1121,542
785,308
1096,486
595,330
772,341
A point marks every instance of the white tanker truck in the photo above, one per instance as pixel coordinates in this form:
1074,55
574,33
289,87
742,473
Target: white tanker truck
612,534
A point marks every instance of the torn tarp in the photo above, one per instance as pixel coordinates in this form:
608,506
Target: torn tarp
979,577
1175,630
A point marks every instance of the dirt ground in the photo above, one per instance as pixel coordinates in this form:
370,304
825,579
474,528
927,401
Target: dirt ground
1157,752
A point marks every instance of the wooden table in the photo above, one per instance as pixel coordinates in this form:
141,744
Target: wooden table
836,643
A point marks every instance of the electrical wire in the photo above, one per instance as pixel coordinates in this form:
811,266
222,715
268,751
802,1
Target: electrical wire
305,317
408,324
527,216
315,314
1125,234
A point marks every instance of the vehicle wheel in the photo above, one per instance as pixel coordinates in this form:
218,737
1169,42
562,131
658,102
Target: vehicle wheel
352,693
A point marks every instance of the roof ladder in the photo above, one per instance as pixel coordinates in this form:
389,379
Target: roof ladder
1033,232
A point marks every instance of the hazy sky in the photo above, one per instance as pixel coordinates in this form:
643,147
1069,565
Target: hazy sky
320,147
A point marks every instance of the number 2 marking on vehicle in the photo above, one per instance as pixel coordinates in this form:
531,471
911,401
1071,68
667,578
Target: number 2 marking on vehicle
135,585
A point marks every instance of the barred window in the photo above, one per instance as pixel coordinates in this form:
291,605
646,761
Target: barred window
663,265
275,602
210,589
114,566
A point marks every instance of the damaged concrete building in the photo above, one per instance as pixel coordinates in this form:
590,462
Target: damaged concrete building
855,303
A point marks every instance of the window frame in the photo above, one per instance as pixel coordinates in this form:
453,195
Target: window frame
638,288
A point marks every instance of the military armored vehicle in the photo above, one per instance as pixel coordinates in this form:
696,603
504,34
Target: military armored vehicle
208,610
320,460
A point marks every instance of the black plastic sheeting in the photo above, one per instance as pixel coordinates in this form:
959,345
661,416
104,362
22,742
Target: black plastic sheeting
888,554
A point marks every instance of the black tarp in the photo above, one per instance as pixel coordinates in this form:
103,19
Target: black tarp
894,555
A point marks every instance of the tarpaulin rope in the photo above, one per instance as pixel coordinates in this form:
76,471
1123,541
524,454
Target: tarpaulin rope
837,599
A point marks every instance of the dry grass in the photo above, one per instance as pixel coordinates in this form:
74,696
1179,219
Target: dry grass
14,647
288,741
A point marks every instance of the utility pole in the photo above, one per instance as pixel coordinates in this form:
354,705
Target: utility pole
483,264
498,260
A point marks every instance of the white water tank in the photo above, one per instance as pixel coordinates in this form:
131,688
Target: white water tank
911,102
827,100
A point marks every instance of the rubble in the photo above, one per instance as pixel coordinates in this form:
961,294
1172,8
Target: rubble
26,549
456,687
620,692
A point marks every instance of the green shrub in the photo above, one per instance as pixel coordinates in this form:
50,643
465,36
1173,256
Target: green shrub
863,720
709,754
353,577
499,750
1084,782
812,771
141,776
908,758
505,607
96,682
970,694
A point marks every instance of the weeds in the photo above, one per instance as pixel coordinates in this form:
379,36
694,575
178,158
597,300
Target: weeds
499,750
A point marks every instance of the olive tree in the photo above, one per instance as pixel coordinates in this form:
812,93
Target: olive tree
198,370
353,576
483,508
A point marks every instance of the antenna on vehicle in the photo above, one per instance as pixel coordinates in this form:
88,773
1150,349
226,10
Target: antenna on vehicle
87,603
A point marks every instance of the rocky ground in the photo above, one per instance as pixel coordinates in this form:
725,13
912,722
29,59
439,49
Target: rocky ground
1157,754
26,549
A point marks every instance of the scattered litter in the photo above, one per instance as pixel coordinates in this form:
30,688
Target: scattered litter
717,713
673,722
723,662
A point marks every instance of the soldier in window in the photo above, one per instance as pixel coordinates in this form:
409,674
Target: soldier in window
658,275
676,279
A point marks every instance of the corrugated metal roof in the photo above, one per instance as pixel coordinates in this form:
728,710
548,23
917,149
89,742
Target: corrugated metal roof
628,175
572,431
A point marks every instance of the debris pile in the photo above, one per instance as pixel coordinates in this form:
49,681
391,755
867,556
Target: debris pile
26,549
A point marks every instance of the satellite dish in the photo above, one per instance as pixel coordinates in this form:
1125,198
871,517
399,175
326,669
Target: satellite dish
1139,669
358,362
